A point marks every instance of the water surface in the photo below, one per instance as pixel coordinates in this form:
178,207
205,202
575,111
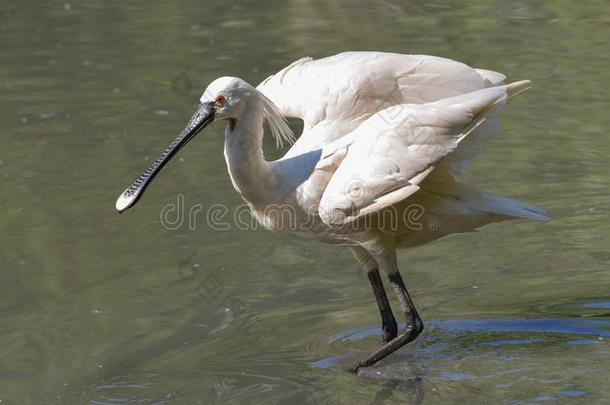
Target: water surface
106,309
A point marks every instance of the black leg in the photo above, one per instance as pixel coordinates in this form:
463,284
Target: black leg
389,327
413,325
412,318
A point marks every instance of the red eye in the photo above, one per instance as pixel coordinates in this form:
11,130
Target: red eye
220,100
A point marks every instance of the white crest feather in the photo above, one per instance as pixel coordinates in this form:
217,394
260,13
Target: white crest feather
277,123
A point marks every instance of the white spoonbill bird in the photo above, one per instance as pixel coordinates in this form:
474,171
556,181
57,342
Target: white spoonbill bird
385,136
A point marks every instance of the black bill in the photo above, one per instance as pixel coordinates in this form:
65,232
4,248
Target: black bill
202,117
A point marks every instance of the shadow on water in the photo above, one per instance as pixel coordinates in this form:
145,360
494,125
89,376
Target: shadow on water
450,352
451,339
504,353
565,326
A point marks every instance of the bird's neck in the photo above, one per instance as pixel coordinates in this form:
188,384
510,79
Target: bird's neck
249,171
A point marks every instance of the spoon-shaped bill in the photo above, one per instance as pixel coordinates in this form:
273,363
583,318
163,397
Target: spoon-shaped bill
203,116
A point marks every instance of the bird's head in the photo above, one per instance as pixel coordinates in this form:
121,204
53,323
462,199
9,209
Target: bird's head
226,98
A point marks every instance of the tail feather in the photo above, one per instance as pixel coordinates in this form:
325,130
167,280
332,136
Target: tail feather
491,78
511,208
442,182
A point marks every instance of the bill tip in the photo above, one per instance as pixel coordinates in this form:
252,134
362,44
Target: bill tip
122,203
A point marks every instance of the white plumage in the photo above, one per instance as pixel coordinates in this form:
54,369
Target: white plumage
384,137
389,127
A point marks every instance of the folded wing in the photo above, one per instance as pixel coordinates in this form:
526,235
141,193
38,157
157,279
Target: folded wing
396,148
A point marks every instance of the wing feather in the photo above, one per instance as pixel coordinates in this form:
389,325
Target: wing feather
395,149
334,95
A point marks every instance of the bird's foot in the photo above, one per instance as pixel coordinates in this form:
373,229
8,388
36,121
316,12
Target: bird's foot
408,334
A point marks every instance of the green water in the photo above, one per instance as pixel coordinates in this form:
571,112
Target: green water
97,308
